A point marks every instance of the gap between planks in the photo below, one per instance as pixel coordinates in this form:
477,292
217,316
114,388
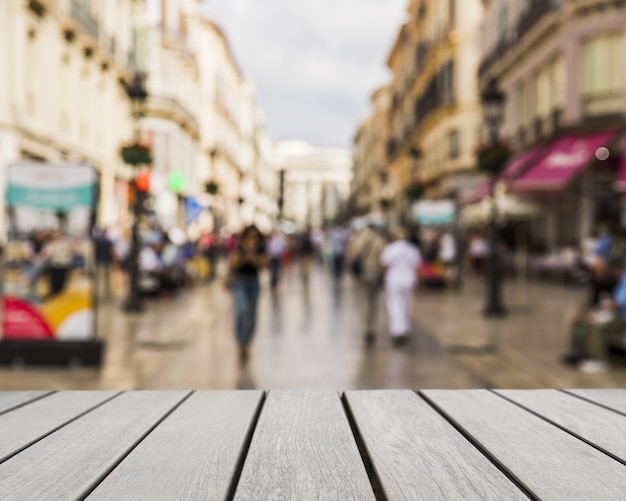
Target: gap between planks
483,450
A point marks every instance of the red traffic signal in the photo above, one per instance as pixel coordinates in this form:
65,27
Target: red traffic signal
142,181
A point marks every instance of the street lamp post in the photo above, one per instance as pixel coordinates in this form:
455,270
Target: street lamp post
138,96
493,100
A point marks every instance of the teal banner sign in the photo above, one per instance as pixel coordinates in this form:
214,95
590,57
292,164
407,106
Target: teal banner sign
55,199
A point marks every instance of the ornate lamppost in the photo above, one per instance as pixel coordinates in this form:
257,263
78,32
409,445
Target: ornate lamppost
491,160
136,155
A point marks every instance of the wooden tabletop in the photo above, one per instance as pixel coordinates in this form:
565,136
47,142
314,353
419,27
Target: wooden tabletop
435,444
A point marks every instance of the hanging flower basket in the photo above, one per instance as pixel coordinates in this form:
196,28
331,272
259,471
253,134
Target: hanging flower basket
492,158
212,188
136,154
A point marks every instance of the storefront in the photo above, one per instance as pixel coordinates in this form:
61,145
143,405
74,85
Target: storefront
571,184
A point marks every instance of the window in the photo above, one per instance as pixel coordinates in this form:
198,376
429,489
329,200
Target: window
454,147
604,65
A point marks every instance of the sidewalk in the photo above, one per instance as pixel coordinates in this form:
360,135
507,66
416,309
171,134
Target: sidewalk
312,338
528,342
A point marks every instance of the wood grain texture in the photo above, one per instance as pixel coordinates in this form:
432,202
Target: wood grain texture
193,454
27,424
417,454
303,448
67,464
603,428
613,399
12,399
550,462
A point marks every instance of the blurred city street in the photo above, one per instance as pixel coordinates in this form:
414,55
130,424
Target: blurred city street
311,337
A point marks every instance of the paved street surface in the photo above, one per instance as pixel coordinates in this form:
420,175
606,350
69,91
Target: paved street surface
311,337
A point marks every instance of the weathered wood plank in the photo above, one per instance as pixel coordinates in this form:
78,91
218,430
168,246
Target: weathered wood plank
70,462
303,448
417,454
613,399
193,454
603,428
12,399
550,462
25,425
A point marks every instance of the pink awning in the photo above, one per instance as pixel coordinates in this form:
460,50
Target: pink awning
513,169
564,159
477,193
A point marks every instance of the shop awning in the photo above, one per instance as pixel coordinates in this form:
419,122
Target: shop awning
513,169
510,208
564,159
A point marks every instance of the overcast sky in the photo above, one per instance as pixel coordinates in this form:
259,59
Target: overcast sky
314,63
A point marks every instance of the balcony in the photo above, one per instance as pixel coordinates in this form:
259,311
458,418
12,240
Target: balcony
609,103
439,93
536,11
82,15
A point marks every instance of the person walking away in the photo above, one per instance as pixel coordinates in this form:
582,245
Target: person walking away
400,260
448,256
276,249
58,254
246,261
37,261
367,249
338,241
104,260
307,253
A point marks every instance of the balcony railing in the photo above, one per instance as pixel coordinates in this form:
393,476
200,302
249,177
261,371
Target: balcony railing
536,11
439,92
80,12
604,104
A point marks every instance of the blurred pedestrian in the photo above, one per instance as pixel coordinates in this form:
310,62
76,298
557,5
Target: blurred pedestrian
58,252
364,254
339,241
276,249
306,247
401,261
246,261
104,260
448,254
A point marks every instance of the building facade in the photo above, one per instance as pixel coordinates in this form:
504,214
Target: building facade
434,117
370,179
316,182
562,67
236,149
62,97
171,125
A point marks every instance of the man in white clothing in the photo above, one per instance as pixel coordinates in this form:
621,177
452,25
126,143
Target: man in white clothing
401,261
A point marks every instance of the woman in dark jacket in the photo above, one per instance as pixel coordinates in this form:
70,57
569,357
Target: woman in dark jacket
246,261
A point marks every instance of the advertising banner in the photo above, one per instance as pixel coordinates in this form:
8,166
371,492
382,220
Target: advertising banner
48,283
434,212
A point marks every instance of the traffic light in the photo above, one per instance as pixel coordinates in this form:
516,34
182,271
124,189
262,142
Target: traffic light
142,182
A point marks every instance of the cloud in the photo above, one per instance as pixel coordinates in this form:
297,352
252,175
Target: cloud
314,63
